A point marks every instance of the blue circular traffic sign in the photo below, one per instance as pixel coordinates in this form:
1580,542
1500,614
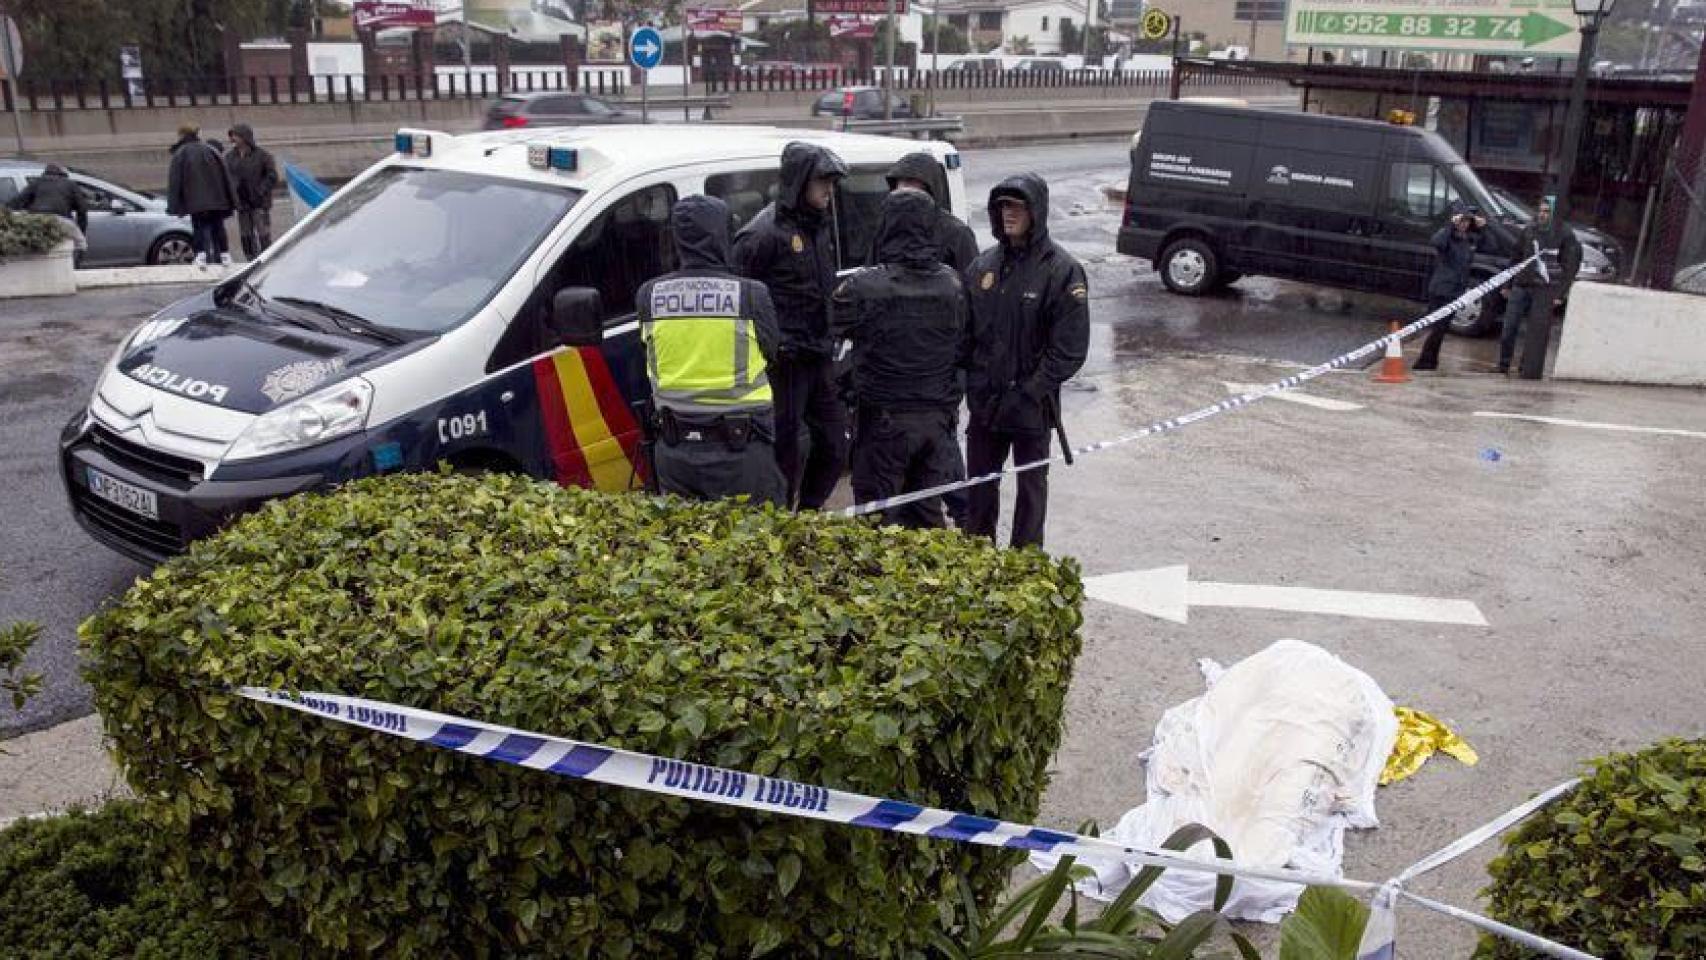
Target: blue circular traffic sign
645,48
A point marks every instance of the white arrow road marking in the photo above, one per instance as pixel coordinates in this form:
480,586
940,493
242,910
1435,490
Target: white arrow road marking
1591,425
1295,396
1168,593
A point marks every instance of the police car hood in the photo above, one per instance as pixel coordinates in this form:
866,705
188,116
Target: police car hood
232,359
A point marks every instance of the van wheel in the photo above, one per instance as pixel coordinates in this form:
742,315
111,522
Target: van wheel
1479,319
1189,267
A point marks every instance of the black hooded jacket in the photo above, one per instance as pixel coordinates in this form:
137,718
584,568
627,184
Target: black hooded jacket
701,230
790,248
54,192
955,244
908,317
1030,308
1558,244
253,172
197,181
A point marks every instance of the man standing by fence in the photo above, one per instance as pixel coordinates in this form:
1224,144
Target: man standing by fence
199,187
255,177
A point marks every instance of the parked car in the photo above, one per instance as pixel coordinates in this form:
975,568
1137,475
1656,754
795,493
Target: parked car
1218,192
548,109
860,103
1049,65
974,65
1518,211
126,227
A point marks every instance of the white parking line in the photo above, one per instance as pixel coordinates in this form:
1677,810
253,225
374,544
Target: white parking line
1297,396
1591,425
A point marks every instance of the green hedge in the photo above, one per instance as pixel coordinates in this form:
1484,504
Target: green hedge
84,886
1616,868
28,234
925,666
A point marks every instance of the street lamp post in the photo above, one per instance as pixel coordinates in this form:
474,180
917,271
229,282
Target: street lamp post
1592,14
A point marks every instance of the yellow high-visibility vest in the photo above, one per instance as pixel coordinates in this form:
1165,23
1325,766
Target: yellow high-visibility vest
701,352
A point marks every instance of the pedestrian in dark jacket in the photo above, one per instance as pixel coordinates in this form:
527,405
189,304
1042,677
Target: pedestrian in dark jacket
254,176
1538,289
199,187
909,321
709,336
1030,309
790,247
1455,246
955,244
56,194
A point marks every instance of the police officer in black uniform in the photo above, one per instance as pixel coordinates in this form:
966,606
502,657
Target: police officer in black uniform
790,247
1030,333
708,335
954,242
909,323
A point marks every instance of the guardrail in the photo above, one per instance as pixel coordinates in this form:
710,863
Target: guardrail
665,102
935,128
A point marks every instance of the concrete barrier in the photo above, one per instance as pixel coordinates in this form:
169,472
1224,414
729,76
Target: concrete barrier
1618,334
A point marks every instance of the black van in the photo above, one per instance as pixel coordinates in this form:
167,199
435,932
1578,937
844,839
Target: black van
1218,191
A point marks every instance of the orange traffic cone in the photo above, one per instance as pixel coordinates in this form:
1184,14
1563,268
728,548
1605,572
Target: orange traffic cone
1392,365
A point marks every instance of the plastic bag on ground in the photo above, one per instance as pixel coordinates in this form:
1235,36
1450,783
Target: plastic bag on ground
1279,757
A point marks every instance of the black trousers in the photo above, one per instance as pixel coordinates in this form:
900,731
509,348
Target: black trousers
807,402
986,452
208,237
899,452
1436,333
1527,309
709,470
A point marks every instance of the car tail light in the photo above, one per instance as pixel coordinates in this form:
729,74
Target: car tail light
511,123
847,104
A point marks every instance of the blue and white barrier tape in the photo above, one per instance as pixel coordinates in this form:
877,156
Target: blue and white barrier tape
734,788
1472,295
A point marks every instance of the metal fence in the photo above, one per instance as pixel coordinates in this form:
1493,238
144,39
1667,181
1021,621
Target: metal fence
36,94
1672,251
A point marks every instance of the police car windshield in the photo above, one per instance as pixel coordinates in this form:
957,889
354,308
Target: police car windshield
414,252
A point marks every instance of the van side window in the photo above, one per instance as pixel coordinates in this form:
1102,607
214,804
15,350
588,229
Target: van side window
748,191
627,245
1420,191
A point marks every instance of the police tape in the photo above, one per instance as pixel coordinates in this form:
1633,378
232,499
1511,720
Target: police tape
1470,296
719,785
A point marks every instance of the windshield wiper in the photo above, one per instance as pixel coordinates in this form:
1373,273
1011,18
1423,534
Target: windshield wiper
347,320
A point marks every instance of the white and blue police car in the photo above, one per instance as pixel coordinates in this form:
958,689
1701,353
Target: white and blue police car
428,313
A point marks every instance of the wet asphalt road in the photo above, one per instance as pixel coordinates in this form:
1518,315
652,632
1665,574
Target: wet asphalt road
50,351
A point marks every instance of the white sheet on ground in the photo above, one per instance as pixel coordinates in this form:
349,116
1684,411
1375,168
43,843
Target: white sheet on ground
1279,757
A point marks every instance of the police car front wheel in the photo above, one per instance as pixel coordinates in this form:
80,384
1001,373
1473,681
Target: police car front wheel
1189,267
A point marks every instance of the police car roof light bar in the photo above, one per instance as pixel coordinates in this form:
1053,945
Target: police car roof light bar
416,143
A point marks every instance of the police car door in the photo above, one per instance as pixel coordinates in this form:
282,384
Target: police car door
589,433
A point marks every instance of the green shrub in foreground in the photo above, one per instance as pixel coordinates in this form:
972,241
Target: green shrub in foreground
923,666
84,886
28,234
1618,866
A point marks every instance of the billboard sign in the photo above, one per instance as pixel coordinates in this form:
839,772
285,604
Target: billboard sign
389,14
1517,27
713,20
866,8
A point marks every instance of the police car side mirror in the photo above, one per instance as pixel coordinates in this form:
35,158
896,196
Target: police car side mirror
577,317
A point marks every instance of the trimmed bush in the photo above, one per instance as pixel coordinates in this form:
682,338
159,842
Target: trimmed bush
28,234
923,666
84,886
1616,868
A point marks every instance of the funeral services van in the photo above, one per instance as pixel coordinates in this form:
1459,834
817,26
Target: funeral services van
439,308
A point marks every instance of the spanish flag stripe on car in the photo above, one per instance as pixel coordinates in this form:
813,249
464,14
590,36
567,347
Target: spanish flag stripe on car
568,464
618,415
589,429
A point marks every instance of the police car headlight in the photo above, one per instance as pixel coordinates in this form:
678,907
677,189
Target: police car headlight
327,415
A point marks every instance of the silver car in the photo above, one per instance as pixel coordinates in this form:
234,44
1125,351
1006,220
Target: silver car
126,227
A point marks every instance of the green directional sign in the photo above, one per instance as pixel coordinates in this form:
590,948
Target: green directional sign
1529,27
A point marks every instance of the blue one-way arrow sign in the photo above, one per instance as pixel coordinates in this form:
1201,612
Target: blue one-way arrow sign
645,48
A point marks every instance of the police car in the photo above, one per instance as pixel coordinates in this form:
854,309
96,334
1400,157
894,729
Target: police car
438,308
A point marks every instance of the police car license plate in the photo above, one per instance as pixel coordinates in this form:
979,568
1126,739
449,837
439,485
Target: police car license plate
127,495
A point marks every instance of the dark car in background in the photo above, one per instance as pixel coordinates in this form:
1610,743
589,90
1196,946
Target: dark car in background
126,227
860,103
553,109
1520,212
